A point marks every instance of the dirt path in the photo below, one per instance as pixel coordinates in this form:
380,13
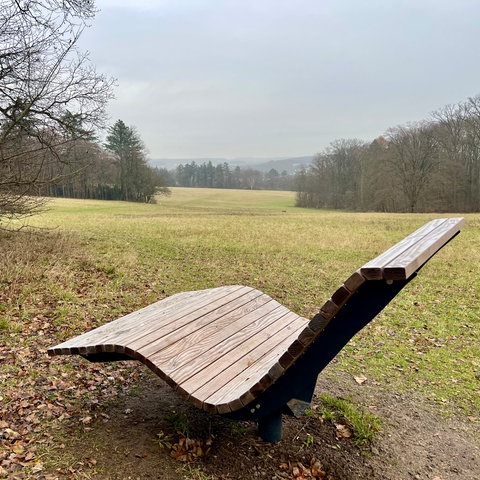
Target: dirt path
414,443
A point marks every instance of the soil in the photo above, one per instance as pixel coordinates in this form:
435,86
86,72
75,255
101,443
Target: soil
414,443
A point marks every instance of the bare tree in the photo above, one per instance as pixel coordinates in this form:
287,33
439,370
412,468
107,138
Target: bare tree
50,96
449,129
413,157
472,152
347,159
251,177
336,177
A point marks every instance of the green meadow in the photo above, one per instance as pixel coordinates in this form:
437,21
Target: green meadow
87,262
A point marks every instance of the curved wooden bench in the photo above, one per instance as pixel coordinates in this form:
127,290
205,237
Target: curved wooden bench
234,350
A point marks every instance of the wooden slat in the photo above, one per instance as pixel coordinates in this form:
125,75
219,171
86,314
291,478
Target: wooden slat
195,325
236,387
112,327
240,357
400,261
341,295
373,270
318,323
354,281
140,320
164,322
229,340
193,352
406,264
330,308
306,336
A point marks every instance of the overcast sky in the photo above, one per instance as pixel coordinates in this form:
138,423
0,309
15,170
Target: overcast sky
274,78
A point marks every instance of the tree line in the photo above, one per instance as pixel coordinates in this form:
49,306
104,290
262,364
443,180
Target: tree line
52,101
116,170
432,165
223,175
51,97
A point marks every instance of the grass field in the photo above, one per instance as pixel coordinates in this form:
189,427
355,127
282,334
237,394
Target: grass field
91,261
199,238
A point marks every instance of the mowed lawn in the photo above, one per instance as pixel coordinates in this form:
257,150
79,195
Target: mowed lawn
92,261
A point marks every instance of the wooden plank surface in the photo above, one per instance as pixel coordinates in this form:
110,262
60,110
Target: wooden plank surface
373,270
194,350
117,326
142,321
164,322
239,385
200,337
407,263
195,323
401,260
240,357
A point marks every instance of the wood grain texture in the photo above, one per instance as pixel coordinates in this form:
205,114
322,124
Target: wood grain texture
235,369
139,322
404,258
259,323
200,325
239,385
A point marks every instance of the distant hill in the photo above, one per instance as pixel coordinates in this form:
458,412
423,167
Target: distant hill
290,165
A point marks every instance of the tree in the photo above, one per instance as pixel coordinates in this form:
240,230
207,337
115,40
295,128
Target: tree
138,182
271,179
251,178
414,156
380,187
472,152
335,178
128,151
347,176
47,89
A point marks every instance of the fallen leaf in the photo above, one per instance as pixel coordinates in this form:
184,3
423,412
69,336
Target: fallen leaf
299,471
18,449
189,449
343,431
10,434
360,379
37,468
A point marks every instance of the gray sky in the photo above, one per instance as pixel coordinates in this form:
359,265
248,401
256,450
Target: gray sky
272,78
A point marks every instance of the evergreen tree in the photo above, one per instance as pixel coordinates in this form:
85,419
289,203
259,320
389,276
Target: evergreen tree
137,181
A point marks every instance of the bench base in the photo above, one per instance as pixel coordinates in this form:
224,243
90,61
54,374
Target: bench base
270,427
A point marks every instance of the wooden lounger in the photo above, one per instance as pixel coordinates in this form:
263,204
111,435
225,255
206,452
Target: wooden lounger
235,351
